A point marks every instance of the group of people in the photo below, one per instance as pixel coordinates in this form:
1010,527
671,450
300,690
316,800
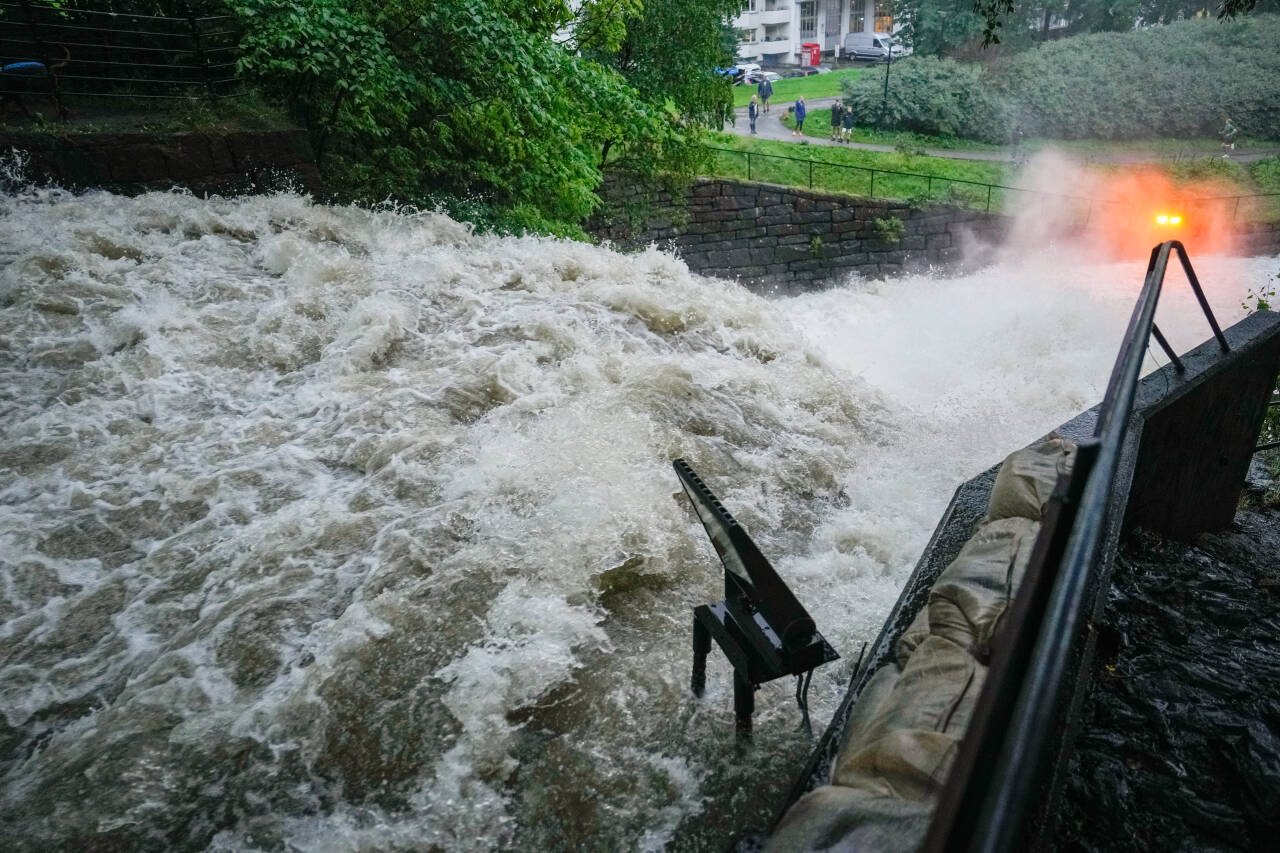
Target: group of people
841,122
841,116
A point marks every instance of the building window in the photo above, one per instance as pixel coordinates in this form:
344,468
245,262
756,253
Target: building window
884,17
857,15
808,19
746,35
748,6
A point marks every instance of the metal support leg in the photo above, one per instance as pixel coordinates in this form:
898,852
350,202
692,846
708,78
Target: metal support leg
701,648
744,703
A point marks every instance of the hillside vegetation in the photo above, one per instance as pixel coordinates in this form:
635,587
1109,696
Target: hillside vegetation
1180,79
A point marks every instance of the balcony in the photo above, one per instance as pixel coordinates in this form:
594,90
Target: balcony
774,16
770,47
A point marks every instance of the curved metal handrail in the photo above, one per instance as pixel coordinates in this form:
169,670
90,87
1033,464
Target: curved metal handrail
1005,754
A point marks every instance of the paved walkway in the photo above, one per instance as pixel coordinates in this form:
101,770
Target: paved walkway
769,126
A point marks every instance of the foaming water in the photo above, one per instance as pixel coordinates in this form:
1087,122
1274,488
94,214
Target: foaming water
323,528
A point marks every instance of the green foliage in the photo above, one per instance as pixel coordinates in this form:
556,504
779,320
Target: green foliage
932,96
1263,298
1181,80
889,229
430,101
1116,15
1266,174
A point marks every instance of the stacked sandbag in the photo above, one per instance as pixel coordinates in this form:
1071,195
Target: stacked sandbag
903,733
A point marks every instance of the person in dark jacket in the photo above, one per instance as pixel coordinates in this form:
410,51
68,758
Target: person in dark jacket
846,129
764,90
799,116
753,111
837,116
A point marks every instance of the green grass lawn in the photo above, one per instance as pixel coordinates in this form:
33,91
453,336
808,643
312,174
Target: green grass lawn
814,86
847,170
817,124
830,170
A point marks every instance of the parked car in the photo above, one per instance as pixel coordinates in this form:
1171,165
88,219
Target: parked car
873,46
754,78
744,73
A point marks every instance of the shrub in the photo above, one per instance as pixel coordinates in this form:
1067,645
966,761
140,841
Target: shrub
939,97
889,229
1179,79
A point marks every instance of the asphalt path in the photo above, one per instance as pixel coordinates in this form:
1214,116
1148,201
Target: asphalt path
769,126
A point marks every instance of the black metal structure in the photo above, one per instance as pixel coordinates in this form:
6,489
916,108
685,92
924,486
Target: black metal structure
99,53
1007,753
760,626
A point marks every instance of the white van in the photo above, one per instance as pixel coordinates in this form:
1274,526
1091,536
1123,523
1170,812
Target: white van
871,46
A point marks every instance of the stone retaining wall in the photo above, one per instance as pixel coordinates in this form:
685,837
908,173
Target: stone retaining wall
784,240
1258,238
226,163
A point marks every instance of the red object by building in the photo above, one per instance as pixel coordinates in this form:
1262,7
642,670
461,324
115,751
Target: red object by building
810,53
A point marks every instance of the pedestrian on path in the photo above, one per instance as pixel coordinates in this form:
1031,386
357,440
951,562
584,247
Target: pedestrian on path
753,110
846,124
837,116
799,116
764,90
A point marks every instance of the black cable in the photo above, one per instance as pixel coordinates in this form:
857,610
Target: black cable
802,699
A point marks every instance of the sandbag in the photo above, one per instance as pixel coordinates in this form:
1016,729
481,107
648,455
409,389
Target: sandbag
847,820
972,593
912,637
907,747
870,700
1027,477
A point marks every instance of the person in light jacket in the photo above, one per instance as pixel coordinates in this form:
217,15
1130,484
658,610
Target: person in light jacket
799,116
753,111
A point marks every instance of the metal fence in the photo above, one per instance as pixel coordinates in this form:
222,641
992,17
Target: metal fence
97,53
893,184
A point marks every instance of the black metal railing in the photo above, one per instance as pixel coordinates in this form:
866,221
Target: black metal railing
92,53
1007,751
926,182
985,196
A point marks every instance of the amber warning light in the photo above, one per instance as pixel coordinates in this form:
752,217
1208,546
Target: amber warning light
1168,219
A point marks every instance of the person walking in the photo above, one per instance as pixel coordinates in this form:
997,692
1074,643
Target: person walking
753,111
799,116
1228,134
837,117
764,91
846,124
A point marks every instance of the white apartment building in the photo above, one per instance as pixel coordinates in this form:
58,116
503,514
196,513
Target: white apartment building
772,31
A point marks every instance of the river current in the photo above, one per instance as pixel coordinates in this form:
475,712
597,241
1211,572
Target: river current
333,529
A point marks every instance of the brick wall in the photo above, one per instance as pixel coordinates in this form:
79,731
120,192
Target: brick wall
784,240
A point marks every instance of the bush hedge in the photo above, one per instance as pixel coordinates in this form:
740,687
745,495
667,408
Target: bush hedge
929,95
1179,79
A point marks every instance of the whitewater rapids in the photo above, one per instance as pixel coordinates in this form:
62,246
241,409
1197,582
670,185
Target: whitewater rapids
331,529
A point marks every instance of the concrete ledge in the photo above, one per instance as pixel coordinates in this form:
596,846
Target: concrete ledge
128,163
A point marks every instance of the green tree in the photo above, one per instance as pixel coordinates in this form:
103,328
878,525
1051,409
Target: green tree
668,51
996,13
422,99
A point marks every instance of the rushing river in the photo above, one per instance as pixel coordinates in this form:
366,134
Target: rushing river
330,529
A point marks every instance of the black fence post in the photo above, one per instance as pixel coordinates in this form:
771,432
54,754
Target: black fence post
201,57
748,153
872,194
810,174
45,53
988,198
